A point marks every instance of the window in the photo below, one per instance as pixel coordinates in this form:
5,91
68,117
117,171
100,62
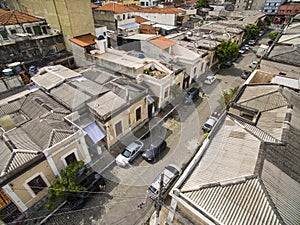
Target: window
138,113
124,16
71,158
28,30
166,94
118,128
195,70
3,33
37,30
142,3
13,31
37,184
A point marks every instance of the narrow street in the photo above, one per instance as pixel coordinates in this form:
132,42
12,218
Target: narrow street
126,187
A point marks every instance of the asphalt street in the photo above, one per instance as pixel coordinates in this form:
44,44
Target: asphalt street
126,187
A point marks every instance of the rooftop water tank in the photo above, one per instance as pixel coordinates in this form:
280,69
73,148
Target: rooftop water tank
8,72
141,56
15,66
101,37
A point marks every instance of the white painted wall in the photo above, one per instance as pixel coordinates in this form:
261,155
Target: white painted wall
167,19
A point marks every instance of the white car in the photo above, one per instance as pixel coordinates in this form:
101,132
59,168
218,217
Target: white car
210,79
211,121
129,153
253,64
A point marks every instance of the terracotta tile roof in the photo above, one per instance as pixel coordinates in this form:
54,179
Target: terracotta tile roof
191,1
140,19
84,40
162,42
16,17
2,11
114,7
148,29
94,6
160,10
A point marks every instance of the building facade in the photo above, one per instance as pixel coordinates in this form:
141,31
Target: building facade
72,18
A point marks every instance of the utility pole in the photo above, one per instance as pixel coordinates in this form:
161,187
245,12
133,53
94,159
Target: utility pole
157,204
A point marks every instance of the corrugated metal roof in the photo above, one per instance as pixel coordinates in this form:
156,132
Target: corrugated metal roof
232,153
47,80
235,204
4,154
106,103
59,135
41,131
69,96
284,192
259,133
264,101
19,158
11,107
21,140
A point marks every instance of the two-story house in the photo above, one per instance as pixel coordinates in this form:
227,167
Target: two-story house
159,78
170,53
117,18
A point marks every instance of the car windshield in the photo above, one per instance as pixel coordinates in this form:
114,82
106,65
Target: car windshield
208,125
172,169
126,153
153,189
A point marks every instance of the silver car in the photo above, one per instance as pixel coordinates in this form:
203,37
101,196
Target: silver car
171,173
129,153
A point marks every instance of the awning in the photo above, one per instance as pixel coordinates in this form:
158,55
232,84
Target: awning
128,25
94,132
150,100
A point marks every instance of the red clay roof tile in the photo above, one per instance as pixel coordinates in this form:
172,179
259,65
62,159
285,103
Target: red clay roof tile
16,17
114,7
162,42
84,40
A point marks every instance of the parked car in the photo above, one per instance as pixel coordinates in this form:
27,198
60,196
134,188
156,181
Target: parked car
242,51
129,153
270,42
171,172
93,182
211,121
246,47
154,150
210,79
253,65
192,95
261,33
245,74
252,42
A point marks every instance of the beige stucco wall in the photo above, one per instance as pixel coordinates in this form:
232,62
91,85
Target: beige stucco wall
73,18
19,189
128,122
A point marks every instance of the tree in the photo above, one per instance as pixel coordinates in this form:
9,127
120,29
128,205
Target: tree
202,3
227,51
60,187
273,35
228,96
251,31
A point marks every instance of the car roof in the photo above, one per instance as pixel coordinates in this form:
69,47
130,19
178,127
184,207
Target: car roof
134,145
210,77
211,121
